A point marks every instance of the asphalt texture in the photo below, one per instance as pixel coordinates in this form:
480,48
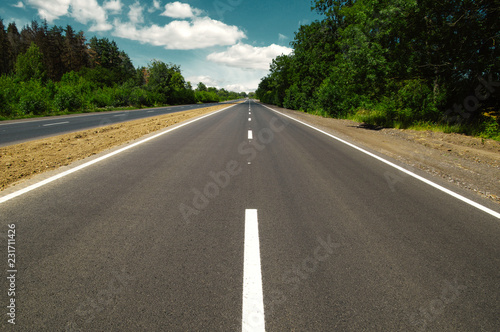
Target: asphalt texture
152,239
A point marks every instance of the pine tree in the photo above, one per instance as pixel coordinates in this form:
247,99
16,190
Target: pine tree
5,51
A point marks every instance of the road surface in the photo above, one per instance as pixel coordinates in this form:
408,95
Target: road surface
18,131
246,220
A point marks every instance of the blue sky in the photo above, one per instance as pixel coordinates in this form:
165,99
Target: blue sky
223,43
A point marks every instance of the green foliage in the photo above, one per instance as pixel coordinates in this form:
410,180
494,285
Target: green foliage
68,99
51,70
391,63
8,95
101,98
206,97
201,87
33,98
139,98
30,65
491,128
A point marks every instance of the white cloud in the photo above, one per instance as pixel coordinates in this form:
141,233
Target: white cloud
50,9
135,13
303,22
182,35
207,80
114,6
89,10
20,4
81,10
180,10
282,37
249,57
156,6
237,88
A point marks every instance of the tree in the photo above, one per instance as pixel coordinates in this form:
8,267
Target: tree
15,43
167,81
5,51
104,53
75,55
106,57
201,87
30,65
53,51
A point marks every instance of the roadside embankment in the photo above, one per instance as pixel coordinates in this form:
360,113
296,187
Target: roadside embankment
22,161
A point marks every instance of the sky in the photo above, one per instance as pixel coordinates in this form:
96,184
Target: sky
223,43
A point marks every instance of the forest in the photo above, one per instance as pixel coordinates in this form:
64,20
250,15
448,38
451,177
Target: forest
420,64
53,70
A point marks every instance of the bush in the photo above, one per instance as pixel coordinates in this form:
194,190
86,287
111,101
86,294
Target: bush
206,97
101,98
139,97
67,99
294,99
121,96
33,102
491,128
8,95
416,95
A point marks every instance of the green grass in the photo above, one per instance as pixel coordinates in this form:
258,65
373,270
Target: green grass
489,128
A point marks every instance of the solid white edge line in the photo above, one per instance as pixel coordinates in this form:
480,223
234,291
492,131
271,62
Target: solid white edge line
253,319
63,174
435,185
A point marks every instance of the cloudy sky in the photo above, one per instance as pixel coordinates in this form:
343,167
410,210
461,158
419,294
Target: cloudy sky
223,43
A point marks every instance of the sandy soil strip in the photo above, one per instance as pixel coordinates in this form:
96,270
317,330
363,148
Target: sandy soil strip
22,161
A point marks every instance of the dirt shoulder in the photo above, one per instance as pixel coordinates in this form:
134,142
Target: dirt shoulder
22,161
469,162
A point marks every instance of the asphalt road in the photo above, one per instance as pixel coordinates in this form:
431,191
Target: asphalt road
18,131
182,232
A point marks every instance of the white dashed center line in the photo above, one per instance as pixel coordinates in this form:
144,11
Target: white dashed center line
55,124
253,300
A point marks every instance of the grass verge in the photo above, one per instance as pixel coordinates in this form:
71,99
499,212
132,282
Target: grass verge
488,129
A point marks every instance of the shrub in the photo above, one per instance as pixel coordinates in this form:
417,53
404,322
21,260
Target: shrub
33,102
67,99
416,95
139,97
491,128
101,98
8,95
121,96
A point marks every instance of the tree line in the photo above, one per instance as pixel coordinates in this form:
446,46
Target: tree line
395,63
53,70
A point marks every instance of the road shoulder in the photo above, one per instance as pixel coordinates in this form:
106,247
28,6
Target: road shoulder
467,162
